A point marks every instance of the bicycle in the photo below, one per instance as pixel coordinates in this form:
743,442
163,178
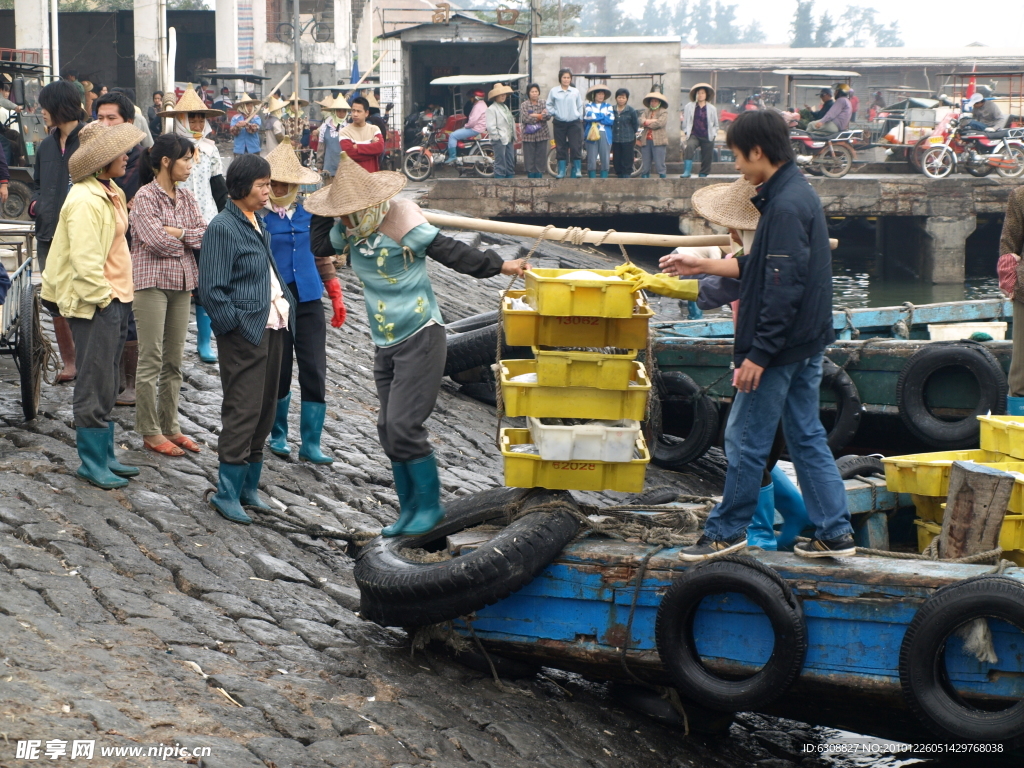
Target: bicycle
321,31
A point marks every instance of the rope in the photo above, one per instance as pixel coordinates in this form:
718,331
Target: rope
908,324
854,331
43,358
622,246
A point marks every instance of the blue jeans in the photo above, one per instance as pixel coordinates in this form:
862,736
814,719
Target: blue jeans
460,135
977,125
598,150
504,159
789,392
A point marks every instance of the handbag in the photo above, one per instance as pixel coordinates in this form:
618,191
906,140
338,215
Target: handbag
594,134
532,128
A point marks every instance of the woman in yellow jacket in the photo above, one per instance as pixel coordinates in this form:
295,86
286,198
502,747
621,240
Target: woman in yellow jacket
88,275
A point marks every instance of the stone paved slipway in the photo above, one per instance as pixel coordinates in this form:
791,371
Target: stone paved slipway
140,618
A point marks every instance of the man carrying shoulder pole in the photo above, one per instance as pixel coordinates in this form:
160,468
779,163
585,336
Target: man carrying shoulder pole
782,329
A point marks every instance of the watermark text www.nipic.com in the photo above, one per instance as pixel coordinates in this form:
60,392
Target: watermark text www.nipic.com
61,749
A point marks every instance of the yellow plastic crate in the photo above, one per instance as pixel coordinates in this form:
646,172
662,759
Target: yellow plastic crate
926,531
525,470
1004,434
929,507
927,474
550,295
1011,535
564,368
529,328
529,399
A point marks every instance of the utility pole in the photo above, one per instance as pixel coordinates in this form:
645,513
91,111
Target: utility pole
54,42
559,18
297,53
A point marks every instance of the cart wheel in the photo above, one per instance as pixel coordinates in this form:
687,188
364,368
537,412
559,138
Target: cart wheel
30,365
552,162
18,198
914,155
838,163
417,166
638,162
322,32
938,162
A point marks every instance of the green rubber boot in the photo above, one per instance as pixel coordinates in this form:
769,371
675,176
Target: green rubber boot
561,169
311,425
279,434
576,165
426,486
231,478
204,335
406,499
687,169
250,497
592,174
93,450
115,466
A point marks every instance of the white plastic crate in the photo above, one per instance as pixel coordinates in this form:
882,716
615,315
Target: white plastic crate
611,441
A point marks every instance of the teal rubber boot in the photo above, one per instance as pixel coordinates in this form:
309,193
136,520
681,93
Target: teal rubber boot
406,500
791,506
1015,406
426,485
592,174
604,174
561,169
115,466
250,497
687,169
279,433
230,479
311,425
576,165
453,152
204,334
94,450
761,531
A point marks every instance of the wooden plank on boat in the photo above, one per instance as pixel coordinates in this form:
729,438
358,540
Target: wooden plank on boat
975,508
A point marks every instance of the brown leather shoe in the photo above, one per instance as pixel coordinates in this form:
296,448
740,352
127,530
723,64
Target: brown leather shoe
129,365
66,345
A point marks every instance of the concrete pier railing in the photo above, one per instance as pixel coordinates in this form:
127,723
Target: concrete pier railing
924,222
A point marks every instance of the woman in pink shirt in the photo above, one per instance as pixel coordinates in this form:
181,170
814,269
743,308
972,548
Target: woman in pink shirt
475,125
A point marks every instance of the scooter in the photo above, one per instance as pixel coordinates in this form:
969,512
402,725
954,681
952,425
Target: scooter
474,154
832,156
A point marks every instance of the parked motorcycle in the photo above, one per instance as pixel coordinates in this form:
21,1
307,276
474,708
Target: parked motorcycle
974,151
832,156
474,155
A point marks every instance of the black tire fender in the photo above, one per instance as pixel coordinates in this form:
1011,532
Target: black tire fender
475,348
910,387
865,466
923,677
472,322
678,651
676,390
396,591
848,404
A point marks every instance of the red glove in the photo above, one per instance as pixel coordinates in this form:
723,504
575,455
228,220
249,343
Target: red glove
333,287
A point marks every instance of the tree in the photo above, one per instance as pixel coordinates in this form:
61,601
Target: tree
655,19
602,18
726,31
753,33
702,22
187,5
823,34
802,27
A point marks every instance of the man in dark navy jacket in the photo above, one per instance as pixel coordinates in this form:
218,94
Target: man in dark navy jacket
784,324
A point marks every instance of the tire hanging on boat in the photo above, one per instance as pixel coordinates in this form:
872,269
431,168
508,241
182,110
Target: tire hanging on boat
865,466
674,630
910,393
472,322
848,405
923,670
678,393
475,348
398,591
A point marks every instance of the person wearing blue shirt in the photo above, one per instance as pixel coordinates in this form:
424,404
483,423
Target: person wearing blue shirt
245,127
598,119
565,105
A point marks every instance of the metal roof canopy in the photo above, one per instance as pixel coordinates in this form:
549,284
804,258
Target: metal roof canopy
352,86
215,76
1008,73
454,20
453,80
815,73
616,76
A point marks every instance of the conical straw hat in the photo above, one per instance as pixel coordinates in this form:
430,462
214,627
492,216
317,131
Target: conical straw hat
727,205
354,189
190,102
372,100
99,146
707,89
337,102
655,95
291,100
499,89
246,99
600,87
285,166
274,104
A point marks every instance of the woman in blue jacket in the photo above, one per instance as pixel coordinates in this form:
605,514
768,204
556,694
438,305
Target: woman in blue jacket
305,278
598,119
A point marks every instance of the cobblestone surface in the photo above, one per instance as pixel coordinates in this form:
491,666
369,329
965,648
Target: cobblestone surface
137,618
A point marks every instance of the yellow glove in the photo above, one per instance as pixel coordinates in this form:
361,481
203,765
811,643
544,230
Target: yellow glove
665,285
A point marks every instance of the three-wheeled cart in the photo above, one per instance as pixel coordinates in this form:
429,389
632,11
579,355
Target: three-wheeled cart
19,331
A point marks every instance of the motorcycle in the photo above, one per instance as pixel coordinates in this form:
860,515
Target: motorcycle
473,154
832,156
974,151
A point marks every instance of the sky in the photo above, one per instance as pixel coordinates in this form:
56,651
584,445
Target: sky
923,24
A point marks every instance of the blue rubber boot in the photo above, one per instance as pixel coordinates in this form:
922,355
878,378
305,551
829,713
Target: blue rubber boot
592,174
791,506
1015,406
94,451
279,433
406,499
604,174
561,169
204,335
687,169
576,169
426,485
453,152
250,497
761,531
115,466
311,425
231,478
693,312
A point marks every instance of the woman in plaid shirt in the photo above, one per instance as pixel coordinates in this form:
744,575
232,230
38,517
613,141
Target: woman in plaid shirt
166,226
